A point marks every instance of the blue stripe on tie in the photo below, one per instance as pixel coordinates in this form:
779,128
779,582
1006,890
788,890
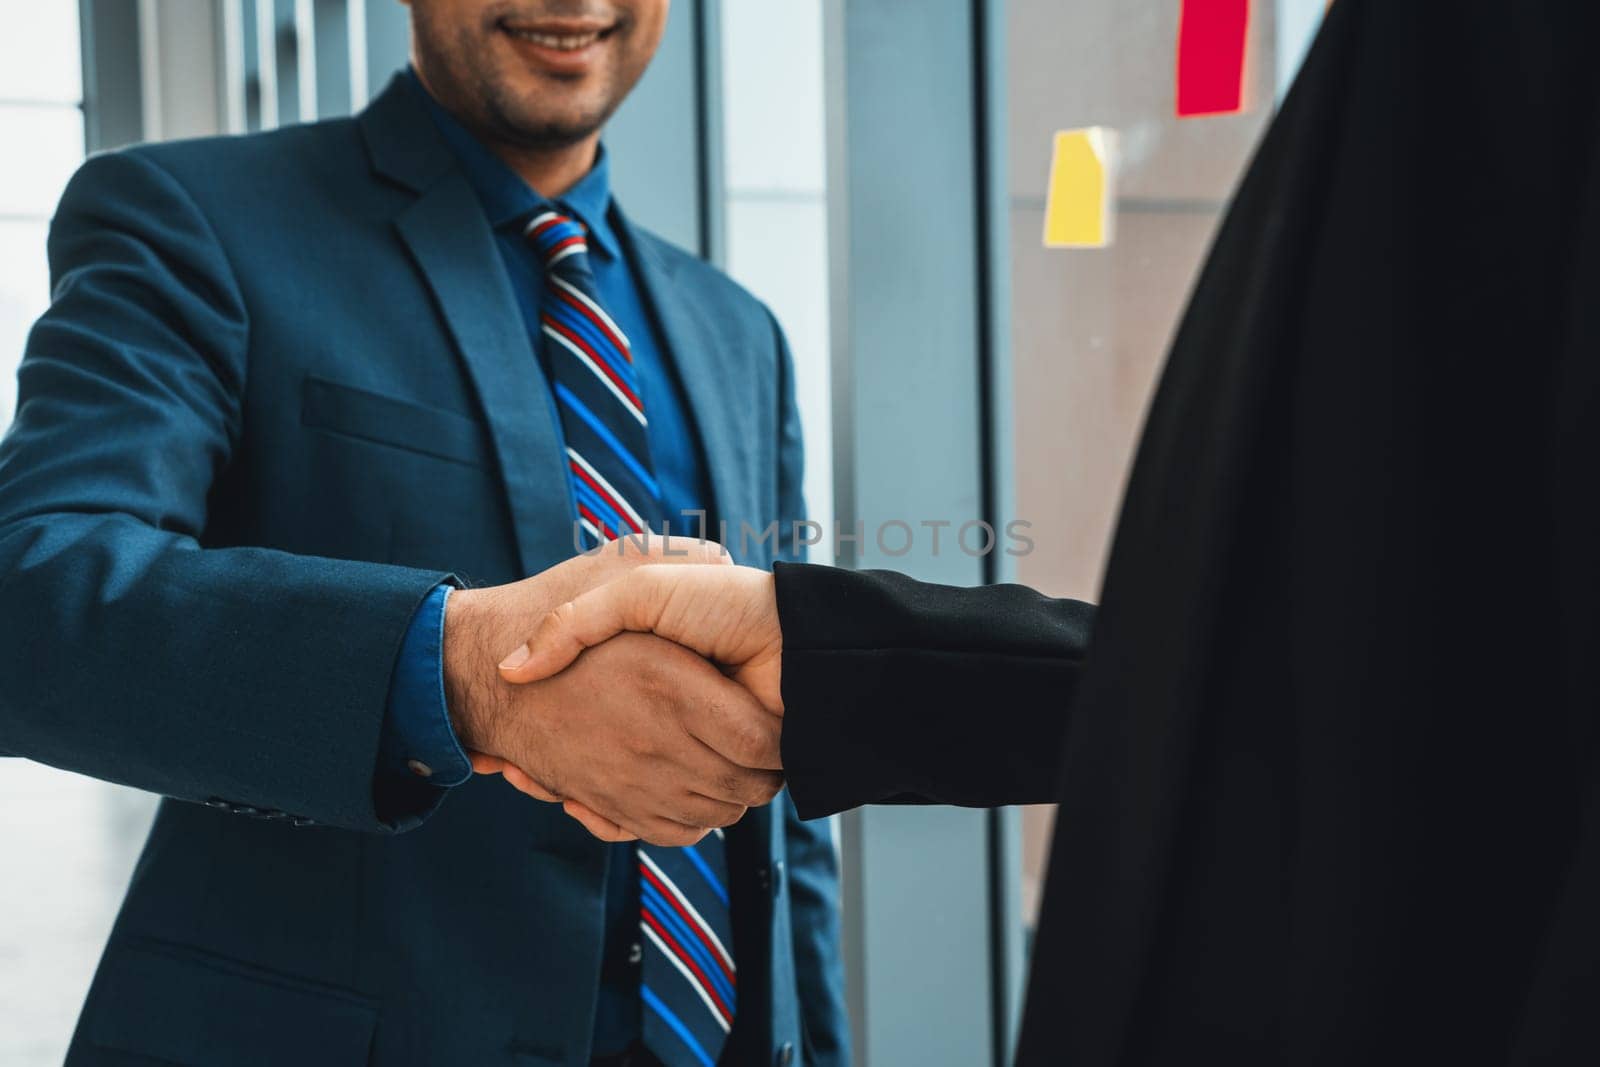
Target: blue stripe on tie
561,231
577,407
607,514
705,869
672,1020
578,323
702,952
667,916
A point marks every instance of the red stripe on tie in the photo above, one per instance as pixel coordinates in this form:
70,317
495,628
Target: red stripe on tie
599,323
678,951
689,921
576,239
544,227
599,360
606,531
609,498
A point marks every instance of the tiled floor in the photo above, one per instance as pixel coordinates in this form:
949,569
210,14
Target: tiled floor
67,846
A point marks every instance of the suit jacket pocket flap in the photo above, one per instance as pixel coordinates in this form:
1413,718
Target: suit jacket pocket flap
184,1006
388,420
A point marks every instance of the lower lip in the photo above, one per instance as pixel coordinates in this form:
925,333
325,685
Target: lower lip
558,60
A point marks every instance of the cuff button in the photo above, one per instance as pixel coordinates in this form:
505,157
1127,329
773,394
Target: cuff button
420,769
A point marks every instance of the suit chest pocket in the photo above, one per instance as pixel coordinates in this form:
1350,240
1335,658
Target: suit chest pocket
391,422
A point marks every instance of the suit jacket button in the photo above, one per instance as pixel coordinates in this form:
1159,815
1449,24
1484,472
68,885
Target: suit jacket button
784,1056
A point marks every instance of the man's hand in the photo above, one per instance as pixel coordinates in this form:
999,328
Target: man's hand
726,614
644,733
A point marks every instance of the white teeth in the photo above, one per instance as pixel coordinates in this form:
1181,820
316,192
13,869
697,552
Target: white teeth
560,42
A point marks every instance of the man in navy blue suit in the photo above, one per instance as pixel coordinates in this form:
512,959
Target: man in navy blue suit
305,410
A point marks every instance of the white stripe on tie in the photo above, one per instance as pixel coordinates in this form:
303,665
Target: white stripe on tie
570,250
592,306
688,975
621,500
540,220
711,935
605,379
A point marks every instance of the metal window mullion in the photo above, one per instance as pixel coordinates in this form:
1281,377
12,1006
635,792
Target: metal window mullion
267,61
356,19
305,54
150,68
234,91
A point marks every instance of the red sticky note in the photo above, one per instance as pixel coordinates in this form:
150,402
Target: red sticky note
1211,38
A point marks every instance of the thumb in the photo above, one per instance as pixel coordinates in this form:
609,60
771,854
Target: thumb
603,612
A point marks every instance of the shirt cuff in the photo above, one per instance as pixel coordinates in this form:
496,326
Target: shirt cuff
419,747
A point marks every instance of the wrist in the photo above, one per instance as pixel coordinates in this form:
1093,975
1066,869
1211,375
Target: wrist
471,689
480,627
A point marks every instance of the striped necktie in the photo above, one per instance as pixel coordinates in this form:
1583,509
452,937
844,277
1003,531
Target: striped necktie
686,971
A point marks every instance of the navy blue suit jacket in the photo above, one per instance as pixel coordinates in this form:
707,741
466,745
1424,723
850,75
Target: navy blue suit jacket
282,392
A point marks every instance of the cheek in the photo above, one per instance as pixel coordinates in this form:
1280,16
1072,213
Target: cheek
649,24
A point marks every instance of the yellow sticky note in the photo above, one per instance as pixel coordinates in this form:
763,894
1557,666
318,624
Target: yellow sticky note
1078,211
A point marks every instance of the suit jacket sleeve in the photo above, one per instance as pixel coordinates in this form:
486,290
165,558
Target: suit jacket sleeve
896,690
813,881
245,677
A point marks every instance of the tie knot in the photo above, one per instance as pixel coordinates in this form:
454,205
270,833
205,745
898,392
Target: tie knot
557,237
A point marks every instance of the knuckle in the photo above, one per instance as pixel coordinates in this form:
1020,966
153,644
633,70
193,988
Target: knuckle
564,616
711,813
751,743
761,791
651,678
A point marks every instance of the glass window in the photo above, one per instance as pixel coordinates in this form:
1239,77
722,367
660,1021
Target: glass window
39,58
46,146
41,118
24,294
72,838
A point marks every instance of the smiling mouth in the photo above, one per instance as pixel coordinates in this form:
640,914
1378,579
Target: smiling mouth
562,39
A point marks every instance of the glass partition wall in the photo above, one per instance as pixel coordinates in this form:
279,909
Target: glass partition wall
1090,326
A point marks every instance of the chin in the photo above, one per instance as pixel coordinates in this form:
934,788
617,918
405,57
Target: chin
548,127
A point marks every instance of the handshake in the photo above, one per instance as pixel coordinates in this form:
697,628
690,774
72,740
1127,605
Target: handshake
643,696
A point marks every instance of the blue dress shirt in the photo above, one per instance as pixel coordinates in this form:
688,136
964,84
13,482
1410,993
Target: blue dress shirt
419,754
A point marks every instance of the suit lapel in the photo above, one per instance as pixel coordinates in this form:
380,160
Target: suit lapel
449,237
446,231
706,366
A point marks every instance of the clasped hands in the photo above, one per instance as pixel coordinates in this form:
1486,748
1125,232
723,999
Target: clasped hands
644,696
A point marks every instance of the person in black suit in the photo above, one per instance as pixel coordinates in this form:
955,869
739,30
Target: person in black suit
1329,773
